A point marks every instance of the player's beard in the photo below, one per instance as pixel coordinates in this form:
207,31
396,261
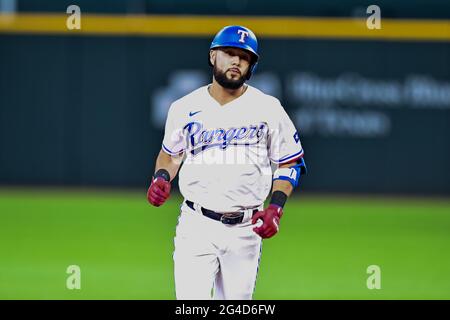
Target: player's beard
225,82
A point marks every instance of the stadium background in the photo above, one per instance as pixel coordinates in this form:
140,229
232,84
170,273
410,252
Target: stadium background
81,122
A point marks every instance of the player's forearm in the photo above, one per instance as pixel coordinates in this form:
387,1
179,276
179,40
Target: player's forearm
169,163
283,186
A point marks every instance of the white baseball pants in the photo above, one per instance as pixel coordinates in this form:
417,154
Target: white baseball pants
215,260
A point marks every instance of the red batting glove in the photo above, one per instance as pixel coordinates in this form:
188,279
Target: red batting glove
271,220
158,192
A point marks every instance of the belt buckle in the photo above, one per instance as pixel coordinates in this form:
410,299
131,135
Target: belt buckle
231,217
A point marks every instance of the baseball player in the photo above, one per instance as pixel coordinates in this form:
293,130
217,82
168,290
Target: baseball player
227,136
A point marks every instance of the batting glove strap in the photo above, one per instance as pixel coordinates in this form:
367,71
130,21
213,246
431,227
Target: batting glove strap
278,199
163,173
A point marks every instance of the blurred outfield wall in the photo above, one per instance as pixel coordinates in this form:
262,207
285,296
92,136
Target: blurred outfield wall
88,107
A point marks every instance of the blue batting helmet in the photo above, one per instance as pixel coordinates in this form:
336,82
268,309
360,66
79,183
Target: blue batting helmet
237,37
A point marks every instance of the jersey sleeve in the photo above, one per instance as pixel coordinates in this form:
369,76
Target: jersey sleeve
284,140
174,142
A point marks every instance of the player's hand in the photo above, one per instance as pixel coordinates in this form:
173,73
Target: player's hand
158,192
271,220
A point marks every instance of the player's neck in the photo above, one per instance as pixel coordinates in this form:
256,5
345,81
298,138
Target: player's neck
223,95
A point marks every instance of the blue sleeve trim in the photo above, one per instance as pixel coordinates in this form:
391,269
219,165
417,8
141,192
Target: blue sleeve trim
298,154
171,152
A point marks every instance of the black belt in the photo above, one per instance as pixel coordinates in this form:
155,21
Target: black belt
225,218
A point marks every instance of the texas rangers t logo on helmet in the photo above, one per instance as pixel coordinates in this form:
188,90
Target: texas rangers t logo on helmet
243,34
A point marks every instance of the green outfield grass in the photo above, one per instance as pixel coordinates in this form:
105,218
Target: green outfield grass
124,247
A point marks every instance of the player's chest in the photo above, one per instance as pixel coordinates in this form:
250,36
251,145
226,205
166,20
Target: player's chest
209,127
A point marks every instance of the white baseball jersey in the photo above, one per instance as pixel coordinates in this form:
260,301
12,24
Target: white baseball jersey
229,148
